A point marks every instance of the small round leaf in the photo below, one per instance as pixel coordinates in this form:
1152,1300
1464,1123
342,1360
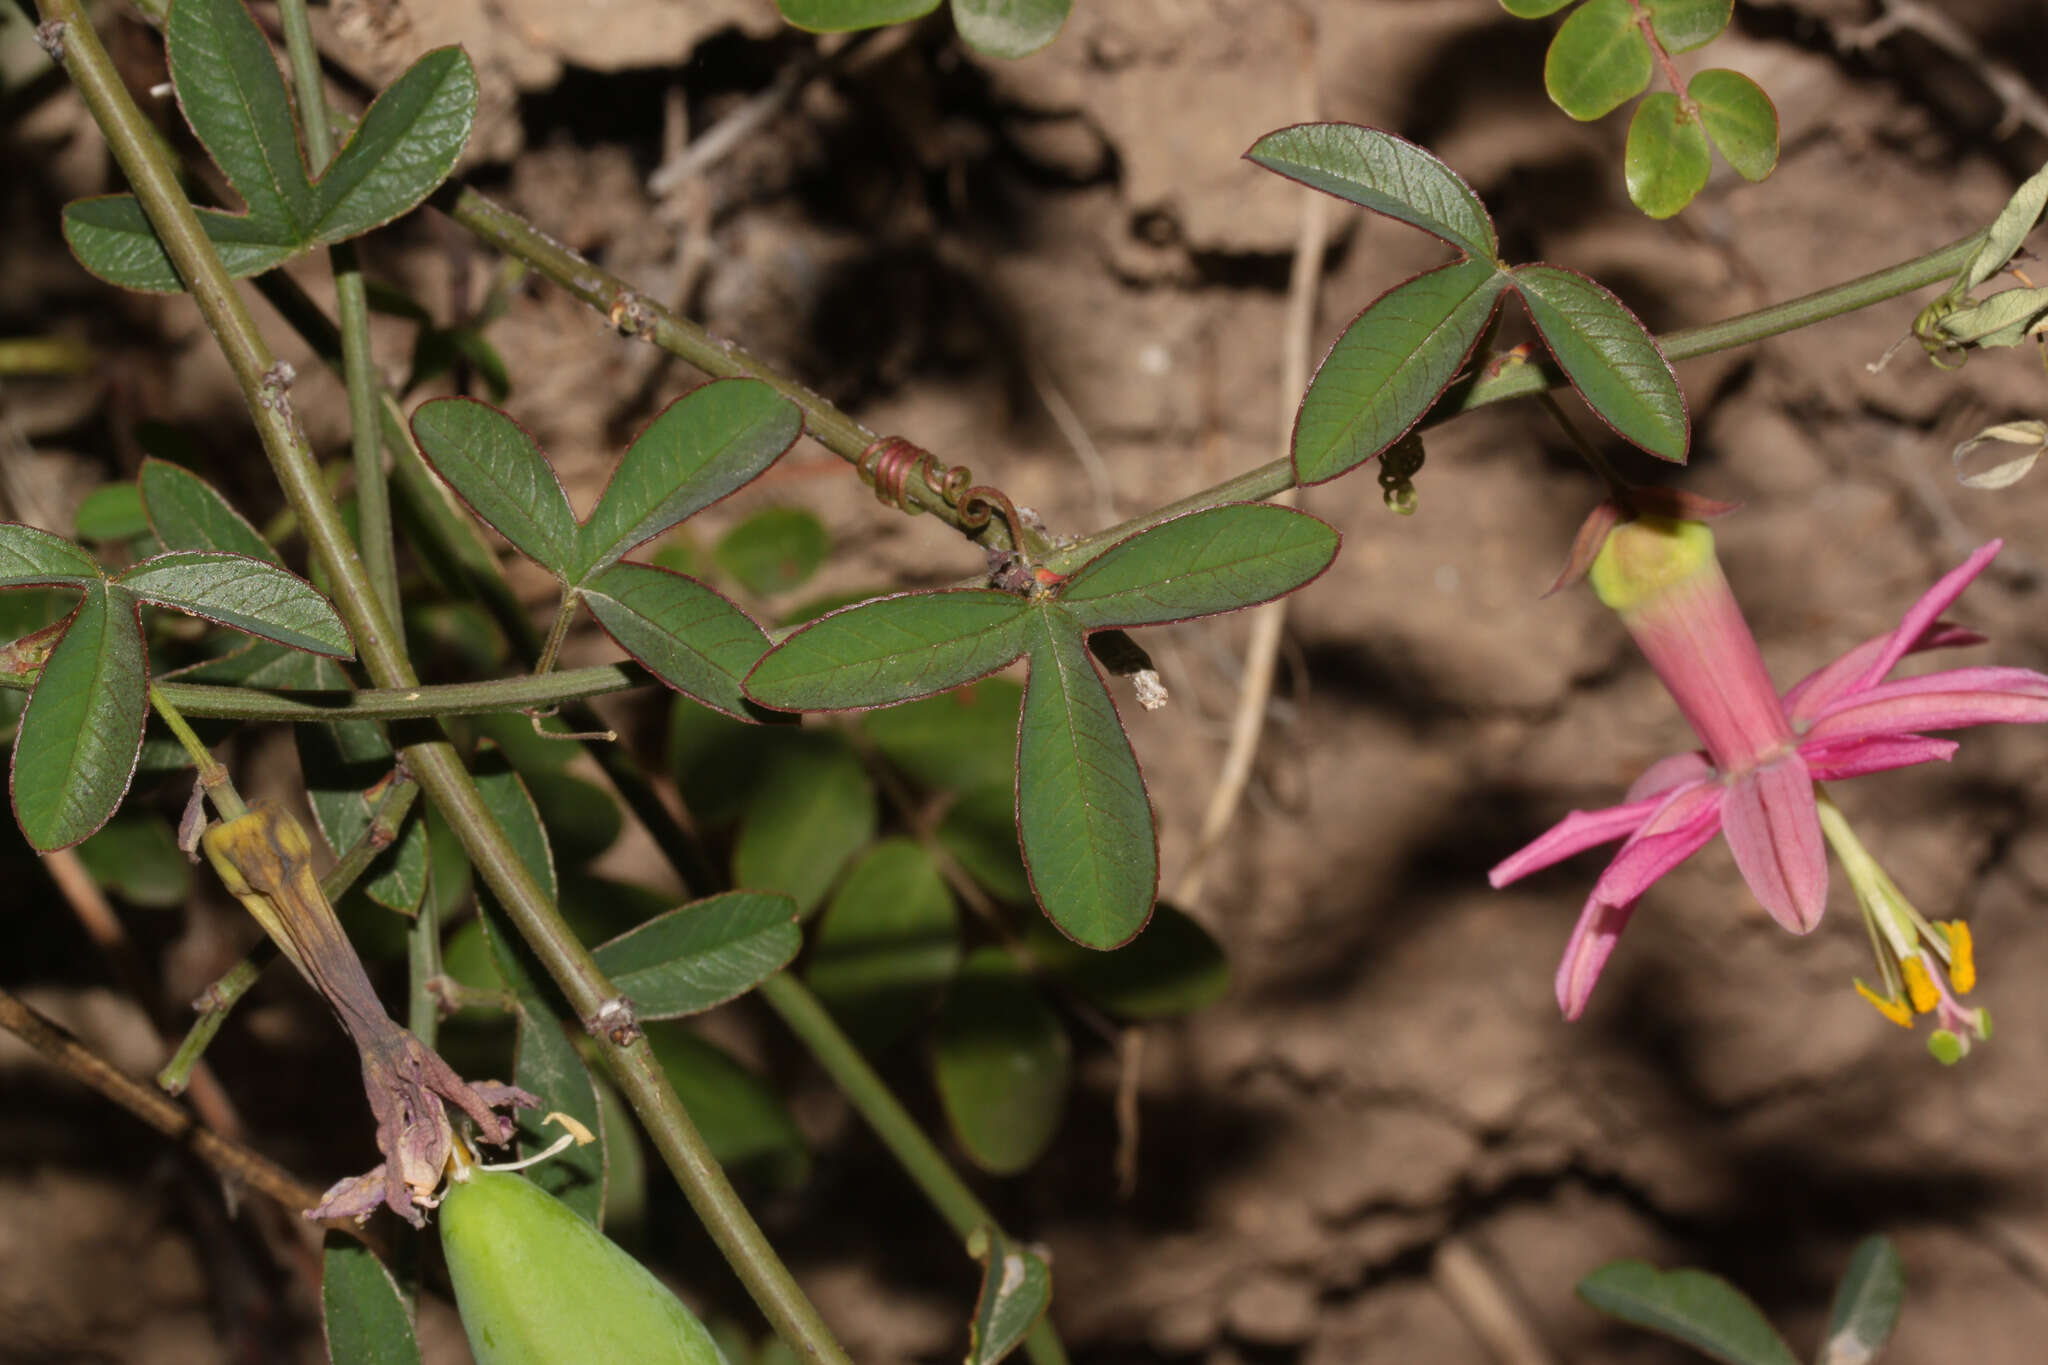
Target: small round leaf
1741,120
1668,158
1598,61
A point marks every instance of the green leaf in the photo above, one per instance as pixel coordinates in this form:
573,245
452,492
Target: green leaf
343,762
959,739
1866,1305
112,237
1390,365
980,832
495,467
1609,357
887,945
30,556
513,808
743,1120
840,16
1741,120
702,954
2007,231
546,1063
1002,1063
188,513
1082,813
75,749
244,593
1533,9
1703,1311
362,1312
685,633
1009,28
1682,25
1598,61
809,813
1217,559
1173,968
1668,158
228,83
703,446
111,513
1384,173
136,856
2001,319
405,145
1016,1286
892,649
583,819
775,550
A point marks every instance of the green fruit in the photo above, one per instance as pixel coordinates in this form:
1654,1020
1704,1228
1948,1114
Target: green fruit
538,1286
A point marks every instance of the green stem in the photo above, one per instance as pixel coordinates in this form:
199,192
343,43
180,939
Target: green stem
210,702
373,497
265,391
557,633
44,355
213,778
914,1152
1524,381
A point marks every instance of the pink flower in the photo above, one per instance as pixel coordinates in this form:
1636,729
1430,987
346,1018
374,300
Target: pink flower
1763,754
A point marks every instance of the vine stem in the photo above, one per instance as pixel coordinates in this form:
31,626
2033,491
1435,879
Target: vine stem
1528,380
213,778
352,307
635,314
211,702
265,388
558,632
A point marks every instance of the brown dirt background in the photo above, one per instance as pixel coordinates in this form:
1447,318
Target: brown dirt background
941,242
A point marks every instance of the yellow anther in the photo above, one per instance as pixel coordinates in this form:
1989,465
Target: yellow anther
1919,985
1894,1010
1962,960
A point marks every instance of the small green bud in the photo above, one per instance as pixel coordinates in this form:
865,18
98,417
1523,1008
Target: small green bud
538,1286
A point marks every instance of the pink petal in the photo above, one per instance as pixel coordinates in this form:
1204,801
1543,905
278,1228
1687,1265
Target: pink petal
1949,700
1666,773
1686,821
1829,763
1931,605
1812,693
1592,943
1679,829
1576,833
1773,829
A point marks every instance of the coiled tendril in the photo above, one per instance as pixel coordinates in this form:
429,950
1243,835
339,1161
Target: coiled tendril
888,464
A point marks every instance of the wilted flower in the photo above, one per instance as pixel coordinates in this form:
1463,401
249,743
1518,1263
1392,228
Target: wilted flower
1755,777
266,860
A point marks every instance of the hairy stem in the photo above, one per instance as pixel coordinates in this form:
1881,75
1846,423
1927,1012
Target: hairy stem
265,389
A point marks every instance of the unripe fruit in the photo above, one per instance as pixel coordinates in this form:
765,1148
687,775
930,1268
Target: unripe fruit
539,1286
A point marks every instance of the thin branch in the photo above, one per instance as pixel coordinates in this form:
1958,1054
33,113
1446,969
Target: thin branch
81,1063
